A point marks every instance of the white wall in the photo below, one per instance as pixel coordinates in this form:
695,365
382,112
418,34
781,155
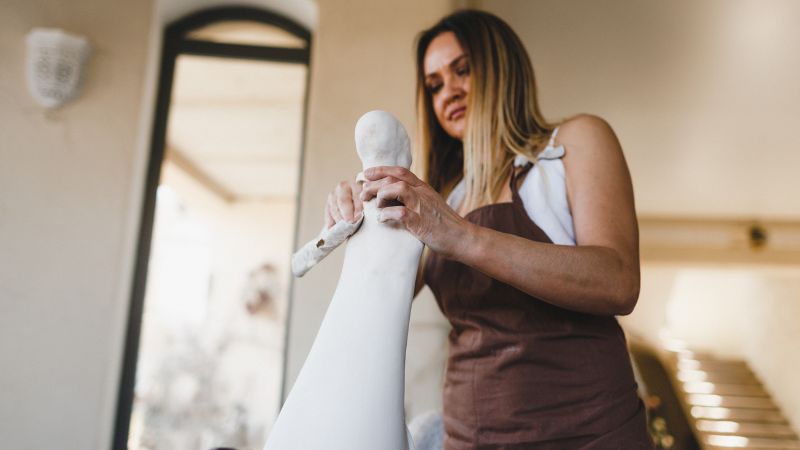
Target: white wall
702,94
65,189
71,183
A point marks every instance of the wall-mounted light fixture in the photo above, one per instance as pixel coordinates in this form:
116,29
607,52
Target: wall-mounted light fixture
758,236
55,62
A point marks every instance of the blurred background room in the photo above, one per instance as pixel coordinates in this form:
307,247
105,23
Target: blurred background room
146,224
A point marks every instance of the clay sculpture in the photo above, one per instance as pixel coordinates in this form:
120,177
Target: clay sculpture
349,394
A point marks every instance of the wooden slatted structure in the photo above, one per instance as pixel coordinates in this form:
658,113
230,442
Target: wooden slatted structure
727,406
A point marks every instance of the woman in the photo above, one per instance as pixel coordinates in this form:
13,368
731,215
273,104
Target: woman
532,255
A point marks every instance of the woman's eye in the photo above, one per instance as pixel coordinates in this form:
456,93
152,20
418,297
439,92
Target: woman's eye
434,88
463,70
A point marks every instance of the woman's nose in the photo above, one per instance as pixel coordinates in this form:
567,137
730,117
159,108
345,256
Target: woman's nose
453,89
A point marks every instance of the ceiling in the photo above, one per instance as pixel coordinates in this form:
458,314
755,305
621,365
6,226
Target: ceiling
236,125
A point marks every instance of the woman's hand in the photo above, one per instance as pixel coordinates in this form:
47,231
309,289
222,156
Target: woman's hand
344,203
404,198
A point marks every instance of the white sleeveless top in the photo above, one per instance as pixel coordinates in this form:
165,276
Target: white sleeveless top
543,193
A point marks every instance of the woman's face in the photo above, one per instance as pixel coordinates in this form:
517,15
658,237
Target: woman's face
446,72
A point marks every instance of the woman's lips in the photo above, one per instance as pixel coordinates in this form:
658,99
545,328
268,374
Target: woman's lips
458,113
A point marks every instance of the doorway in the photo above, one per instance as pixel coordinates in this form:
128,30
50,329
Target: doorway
204,357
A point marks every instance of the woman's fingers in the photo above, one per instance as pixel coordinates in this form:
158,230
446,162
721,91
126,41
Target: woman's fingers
397,193
358,205
420,209
344,201
400,173
401,198
329,220
333,208
395,214
371,188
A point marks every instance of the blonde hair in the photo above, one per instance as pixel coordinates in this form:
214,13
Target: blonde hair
503,116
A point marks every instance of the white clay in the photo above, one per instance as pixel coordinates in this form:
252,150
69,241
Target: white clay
381,140
317,249
349,393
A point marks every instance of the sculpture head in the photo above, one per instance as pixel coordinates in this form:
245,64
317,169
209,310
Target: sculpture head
381,140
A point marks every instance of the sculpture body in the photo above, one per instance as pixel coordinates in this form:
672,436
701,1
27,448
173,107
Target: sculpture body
349,394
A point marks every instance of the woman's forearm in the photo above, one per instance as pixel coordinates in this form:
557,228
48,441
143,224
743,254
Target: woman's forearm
588,279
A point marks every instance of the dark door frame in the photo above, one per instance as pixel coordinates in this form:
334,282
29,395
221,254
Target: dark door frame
174,44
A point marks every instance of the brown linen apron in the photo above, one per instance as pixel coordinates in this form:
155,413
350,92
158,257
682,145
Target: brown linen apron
522,373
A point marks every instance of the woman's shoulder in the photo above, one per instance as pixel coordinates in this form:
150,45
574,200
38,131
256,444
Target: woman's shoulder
589,142
584,130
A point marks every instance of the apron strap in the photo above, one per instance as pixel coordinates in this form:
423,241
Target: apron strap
515,176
